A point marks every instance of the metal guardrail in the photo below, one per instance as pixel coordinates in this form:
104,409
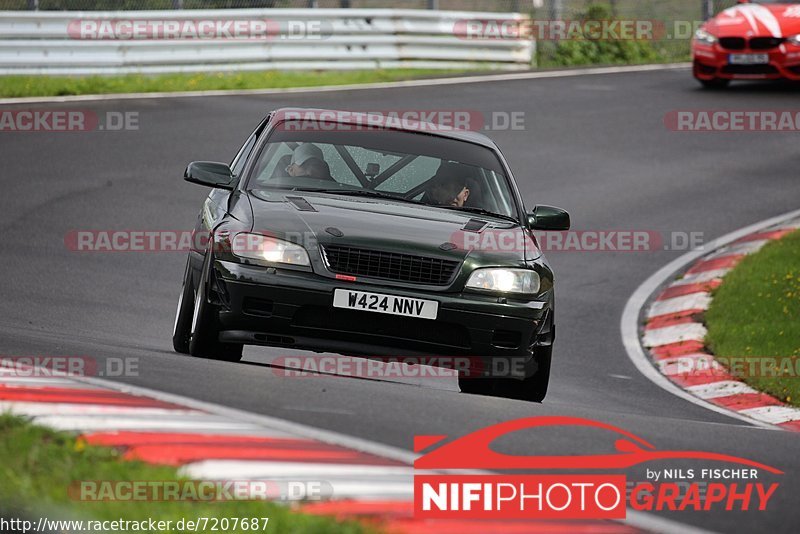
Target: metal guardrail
47,43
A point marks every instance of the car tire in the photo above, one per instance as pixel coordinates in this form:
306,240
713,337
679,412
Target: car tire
182,329
476,386
532,389
204,338
715,83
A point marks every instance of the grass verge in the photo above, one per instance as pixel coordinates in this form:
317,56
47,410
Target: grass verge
38,465
22,86
756,315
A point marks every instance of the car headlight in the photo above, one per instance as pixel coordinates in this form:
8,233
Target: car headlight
794,39
704,37
523,281
268,249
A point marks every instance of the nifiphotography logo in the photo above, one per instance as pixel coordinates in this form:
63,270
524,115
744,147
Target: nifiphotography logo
722,482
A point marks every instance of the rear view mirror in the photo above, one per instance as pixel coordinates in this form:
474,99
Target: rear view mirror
210,174
373,170
548,218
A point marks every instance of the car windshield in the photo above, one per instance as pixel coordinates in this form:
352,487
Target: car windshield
384,164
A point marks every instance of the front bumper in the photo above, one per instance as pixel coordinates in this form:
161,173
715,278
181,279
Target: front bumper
712,62
293,309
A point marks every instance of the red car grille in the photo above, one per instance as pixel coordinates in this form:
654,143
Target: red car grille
756,43
733,43
765,43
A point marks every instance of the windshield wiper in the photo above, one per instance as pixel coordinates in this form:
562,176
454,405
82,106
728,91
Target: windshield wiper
361,193
481,211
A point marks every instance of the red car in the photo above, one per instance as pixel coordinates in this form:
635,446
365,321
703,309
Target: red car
750,41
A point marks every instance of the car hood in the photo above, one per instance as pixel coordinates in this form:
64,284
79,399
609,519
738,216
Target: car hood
757,20
313,218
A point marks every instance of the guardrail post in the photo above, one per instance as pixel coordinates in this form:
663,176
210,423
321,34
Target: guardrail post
708,9
433,4
556,9
33,5
177,4
345,4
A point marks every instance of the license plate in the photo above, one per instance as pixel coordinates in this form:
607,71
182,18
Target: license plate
748,59
378,303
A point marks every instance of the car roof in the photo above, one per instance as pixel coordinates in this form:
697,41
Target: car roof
360,117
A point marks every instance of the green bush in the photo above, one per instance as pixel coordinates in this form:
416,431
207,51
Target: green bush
600,51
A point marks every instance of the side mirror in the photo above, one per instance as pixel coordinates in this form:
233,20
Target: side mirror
548,218
210,174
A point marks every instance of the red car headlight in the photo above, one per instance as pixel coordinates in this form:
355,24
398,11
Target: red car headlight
703,37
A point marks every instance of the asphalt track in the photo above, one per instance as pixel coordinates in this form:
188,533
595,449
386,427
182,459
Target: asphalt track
594,145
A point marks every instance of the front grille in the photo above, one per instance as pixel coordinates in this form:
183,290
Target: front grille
756,43
765,43
749,69
389,265
733,43
354,324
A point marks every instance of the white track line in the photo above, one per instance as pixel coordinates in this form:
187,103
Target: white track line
566,73
746,248
773,414
186,423
693,301
698,278
721,388
39,382
50,408
689,363
629,323
658,337
255,469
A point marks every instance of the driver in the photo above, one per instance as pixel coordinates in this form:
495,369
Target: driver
449,187
307,160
